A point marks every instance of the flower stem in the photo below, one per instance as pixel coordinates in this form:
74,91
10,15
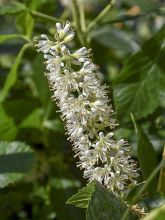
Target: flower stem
82,16
44,16
76,20
100,16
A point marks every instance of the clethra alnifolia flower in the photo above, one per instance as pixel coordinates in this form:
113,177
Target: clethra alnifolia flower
84,105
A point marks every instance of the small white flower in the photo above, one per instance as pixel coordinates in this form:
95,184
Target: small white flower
44,45
81,55
64,32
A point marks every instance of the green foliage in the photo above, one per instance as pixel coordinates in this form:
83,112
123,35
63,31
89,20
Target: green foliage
128,45
147,67
16,159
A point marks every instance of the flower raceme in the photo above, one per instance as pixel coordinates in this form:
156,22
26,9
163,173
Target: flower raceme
84,105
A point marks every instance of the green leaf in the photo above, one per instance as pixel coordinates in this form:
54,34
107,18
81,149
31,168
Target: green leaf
157,214
115,39
140,84
16,159
82,198
132,97
40,80
33,120
8,129
13,74
25,23
18,109
146,156
6,37
18,117
99,202
105,205
12,8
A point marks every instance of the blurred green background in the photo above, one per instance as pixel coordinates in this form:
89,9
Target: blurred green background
128,45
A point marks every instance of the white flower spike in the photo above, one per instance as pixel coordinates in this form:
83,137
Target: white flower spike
84,105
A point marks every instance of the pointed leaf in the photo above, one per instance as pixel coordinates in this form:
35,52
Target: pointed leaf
82,198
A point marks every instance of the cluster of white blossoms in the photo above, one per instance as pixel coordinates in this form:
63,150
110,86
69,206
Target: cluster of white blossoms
84,105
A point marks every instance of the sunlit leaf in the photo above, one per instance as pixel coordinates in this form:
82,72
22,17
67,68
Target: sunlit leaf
16,159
